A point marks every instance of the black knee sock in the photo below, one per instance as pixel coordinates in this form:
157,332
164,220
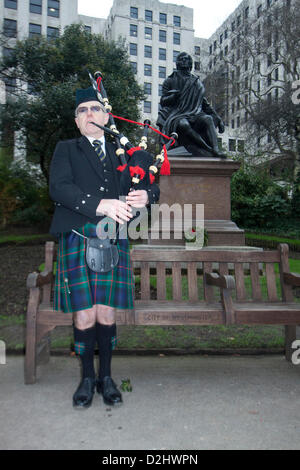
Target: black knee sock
106,339
84,342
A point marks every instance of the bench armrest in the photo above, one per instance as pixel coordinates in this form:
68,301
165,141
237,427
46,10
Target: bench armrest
39,279
293,279
226,284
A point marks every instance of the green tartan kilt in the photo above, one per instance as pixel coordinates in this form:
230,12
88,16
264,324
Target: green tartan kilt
77,287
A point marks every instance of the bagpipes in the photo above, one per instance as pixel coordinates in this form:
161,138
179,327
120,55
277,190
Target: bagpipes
139,168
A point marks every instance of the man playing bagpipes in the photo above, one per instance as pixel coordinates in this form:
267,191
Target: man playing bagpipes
86,185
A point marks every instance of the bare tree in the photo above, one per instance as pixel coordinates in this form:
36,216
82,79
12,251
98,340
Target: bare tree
258,73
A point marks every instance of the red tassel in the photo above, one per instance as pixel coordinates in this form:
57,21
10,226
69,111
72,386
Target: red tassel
132,150
165,169
152,178
137,170
122,167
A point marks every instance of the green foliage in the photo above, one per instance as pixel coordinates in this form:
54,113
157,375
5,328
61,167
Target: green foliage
54,70
23,196
257,201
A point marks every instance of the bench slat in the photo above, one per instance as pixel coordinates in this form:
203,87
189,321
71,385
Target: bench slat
176,281
205,256
161,280
267,314
223,269
256,289
208,290
177,313
145,281
240,281
193,282
271,282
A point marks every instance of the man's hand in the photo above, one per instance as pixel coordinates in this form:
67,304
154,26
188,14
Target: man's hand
118,210
137,198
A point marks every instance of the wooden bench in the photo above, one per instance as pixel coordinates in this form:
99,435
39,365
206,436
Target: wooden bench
182,287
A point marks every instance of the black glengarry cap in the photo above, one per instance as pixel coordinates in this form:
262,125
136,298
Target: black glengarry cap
84,95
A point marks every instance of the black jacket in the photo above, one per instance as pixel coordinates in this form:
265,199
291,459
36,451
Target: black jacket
78,182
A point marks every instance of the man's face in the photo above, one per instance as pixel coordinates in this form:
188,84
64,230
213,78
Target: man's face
89,114
184,62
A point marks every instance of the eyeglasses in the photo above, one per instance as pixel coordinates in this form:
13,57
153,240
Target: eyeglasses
94,109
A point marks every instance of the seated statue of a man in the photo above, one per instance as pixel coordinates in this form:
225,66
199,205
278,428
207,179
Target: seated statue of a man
185,110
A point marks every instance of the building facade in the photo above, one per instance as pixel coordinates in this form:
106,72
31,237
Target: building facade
245,52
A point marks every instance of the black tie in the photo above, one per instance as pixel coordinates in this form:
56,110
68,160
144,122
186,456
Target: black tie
98,148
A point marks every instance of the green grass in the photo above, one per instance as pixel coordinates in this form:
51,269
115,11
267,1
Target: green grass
20,239
272,238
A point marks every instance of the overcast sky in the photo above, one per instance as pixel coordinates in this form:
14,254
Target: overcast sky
208,14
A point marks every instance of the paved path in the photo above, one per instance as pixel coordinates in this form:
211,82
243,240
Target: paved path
178,402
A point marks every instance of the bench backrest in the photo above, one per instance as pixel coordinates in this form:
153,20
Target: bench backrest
178,274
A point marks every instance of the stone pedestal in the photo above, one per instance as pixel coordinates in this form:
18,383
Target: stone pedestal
193,181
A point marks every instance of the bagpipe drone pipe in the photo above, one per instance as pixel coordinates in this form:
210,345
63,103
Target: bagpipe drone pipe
138,167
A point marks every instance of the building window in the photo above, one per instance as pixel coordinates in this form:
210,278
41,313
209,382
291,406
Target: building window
7,52
148,51
53,33
163,18
241,145
133,12
148,15
162,72
177,21
147,106
133,66
176,38
148,70
197,66
148,33
87,28
162,54
34,30
53,8
35,6
10,84
232,124
160,89
10,28
175,55
147,88
232,145
259,11
162,35
197,50
13,4
132,48
133,30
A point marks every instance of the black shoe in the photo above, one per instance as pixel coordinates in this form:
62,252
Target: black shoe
84,394
108,389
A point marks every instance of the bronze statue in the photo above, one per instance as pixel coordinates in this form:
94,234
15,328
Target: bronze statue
185,110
